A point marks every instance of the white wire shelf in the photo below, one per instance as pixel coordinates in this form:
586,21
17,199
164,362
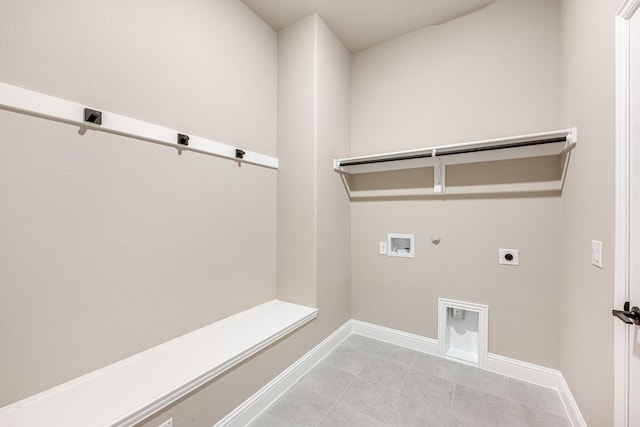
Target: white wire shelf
552,143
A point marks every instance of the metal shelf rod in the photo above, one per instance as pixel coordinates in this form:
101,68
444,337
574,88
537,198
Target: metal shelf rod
567,136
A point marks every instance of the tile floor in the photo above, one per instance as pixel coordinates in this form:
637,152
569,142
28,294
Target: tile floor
365,382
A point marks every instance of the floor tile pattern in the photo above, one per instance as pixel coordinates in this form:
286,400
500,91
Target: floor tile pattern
365,382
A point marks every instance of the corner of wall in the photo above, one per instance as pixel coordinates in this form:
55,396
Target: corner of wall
588,205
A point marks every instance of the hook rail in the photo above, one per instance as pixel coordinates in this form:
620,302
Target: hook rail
17,99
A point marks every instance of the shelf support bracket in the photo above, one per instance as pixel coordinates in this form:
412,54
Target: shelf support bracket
438,173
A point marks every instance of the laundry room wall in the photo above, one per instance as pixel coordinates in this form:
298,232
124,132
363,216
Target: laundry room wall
112,245
588,204
493,73
313,214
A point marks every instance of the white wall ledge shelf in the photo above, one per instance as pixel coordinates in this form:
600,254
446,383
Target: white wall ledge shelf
139,386
19,100
553,143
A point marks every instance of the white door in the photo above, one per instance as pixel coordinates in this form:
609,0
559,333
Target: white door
627,351
634,216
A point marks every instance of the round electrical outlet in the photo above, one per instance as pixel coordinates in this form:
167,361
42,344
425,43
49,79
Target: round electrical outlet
508,256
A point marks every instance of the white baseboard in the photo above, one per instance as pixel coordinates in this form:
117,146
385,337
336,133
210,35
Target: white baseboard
261,400
542,376
518,369
524,371
393,336
570,405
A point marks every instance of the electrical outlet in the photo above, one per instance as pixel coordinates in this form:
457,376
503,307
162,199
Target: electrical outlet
168,423
508,257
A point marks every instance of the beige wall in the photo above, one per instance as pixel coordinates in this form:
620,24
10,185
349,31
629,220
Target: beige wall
313,208
297,142
313,212
333,207
113,245
313,129
493,73
588,206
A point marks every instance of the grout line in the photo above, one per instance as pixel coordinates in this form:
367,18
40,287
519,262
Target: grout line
410,368
395,399
326,414
510,397
338,398
305,374
453,396
355,376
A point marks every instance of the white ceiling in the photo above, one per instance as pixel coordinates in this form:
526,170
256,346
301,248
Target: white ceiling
364,23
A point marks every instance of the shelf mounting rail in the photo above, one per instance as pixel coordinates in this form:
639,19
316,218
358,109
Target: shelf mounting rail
17,99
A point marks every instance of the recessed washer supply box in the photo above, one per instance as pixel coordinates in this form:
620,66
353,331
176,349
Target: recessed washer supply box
401,245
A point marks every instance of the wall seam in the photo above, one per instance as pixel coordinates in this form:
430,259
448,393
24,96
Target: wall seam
315,152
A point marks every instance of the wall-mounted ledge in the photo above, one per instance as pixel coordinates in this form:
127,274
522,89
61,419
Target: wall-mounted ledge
133,389
522,189
544,144
25,101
